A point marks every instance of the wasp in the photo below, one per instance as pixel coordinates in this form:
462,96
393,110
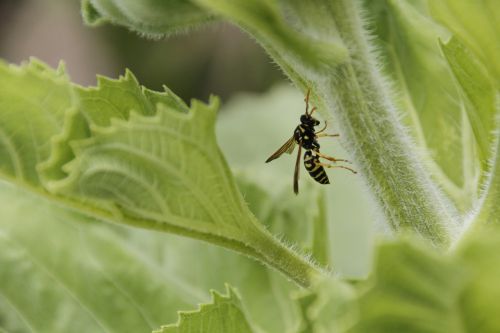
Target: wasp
306,137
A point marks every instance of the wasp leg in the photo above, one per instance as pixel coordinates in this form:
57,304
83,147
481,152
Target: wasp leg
324,135
330,166
320,133
331,158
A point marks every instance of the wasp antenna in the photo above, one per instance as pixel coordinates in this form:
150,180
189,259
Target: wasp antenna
323,129
307,100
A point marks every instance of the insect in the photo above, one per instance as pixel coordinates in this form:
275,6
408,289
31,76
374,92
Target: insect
306,137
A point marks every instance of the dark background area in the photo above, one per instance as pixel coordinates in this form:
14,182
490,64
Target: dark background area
216,59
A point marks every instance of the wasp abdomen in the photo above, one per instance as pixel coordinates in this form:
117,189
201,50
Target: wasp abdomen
314,167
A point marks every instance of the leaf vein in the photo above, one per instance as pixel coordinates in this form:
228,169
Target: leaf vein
168,169
54,277
15,158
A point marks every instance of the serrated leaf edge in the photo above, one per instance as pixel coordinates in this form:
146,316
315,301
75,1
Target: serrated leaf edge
230,296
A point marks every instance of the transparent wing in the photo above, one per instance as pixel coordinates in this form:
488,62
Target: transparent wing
288,148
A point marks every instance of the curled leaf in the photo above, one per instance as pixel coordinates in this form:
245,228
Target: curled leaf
150,18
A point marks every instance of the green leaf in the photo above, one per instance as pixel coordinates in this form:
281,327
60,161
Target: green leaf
412,290
129,155
224,314
119,268
479,301
475,24
111,99
63,272
476,28
480,91
265,293
33,101
328,307
151,18
117,99
166,172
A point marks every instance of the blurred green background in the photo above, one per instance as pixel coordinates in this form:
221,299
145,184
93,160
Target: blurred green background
215,59
260,108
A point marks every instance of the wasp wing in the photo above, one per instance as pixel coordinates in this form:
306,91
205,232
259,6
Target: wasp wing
288,148
296,172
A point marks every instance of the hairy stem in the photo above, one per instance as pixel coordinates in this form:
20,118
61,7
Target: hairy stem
353,90
385,155
260,245
293,266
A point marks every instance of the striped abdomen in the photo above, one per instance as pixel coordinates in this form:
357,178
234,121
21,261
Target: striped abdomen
312,164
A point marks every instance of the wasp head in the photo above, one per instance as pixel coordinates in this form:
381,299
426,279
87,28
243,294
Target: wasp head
307,119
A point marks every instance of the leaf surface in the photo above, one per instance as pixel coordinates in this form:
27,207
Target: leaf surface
118,268
62,272
33,102
480,91
477,25
123,153
479,301
413,289
224,314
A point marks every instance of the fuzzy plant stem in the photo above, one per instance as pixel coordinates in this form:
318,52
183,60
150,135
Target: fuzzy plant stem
298,268
386,157
259,245
276,255
337,63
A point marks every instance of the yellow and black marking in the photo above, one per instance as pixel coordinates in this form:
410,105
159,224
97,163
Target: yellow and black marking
315,168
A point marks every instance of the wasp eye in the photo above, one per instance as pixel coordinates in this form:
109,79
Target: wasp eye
303,118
